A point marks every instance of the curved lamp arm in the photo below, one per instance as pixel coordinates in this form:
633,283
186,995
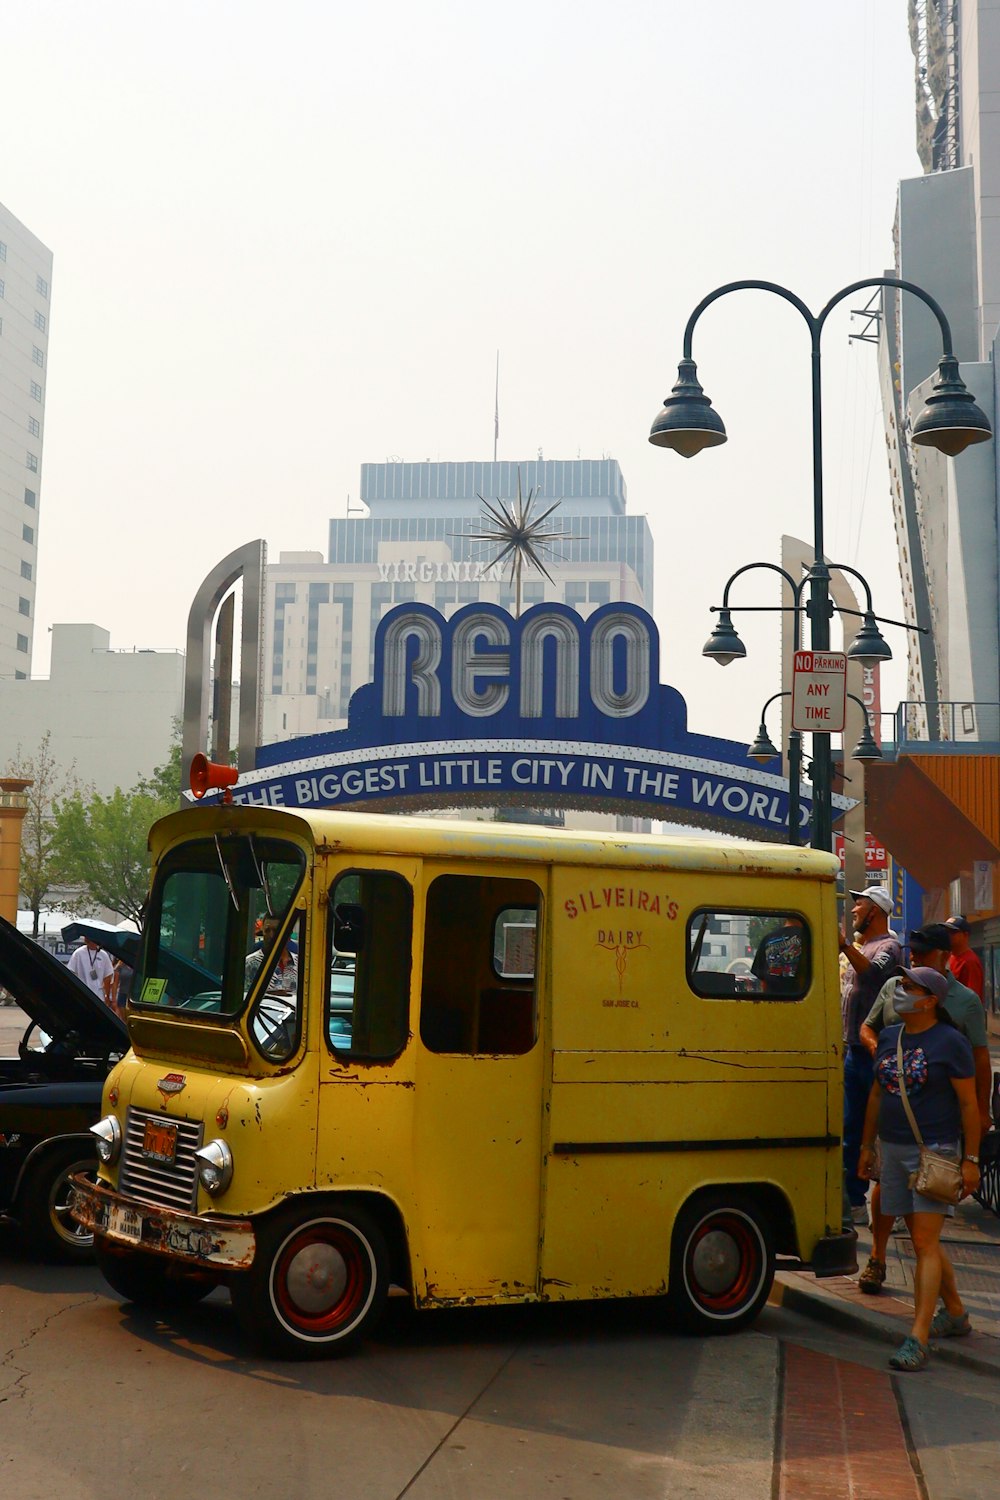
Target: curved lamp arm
796,588
814,322
863,707
773,699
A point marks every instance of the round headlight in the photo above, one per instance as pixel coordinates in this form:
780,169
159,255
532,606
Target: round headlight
107,1135
215,1167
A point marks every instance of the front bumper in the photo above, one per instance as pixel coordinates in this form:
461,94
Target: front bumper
196,1239
835,1255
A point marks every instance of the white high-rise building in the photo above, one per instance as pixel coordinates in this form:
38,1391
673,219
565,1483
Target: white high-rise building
947,236
415,541
25,287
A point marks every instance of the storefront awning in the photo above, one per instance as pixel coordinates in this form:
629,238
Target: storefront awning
936,813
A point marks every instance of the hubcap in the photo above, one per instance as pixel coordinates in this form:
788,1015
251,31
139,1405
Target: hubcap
716,1261
724,1264
323,1280
63,1222
316,1278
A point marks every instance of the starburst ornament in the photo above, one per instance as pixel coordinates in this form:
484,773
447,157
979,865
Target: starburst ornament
521,536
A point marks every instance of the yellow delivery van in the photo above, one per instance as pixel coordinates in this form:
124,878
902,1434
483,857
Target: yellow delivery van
479,1062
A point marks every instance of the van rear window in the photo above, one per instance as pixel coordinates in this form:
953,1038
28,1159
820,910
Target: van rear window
748,955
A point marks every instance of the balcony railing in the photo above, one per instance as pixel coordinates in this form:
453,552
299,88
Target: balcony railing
951,723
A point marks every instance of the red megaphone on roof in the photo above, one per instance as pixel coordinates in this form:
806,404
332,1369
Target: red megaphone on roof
207,775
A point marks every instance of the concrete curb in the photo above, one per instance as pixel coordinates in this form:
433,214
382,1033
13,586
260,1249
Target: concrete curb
812,1301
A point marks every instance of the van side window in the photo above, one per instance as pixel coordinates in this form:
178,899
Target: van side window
369,945
752,955
514,943
478,994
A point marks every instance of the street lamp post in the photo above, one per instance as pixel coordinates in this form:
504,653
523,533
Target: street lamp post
868,648
763,749
950,421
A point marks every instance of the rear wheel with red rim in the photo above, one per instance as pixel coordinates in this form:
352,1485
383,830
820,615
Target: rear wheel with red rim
722,1263
318,1282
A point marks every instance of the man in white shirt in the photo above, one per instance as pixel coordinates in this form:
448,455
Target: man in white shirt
94,967
285,979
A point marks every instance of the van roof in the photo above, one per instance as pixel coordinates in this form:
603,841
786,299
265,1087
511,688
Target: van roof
388,834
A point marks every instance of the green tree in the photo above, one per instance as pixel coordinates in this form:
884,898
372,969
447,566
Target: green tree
101,841
40,863
759,927
165,781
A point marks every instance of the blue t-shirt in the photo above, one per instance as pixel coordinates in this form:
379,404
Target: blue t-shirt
931,1059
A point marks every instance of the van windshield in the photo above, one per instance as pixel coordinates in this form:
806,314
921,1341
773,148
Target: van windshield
217,921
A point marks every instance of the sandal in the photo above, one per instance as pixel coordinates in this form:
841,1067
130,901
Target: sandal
872,1276
911,1355
945,1325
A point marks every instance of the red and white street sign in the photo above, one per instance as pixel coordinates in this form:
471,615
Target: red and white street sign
819,692
876,854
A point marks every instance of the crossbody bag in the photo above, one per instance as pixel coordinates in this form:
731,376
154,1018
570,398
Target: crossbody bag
938,1176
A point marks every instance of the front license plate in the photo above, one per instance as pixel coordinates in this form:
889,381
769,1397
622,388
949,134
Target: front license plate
159,1141
124,1222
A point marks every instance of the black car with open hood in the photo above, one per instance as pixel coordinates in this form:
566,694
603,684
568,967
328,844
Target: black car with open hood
50,1093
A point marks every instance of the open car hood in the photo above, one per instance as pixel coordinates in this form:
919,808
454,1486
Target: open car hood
54,998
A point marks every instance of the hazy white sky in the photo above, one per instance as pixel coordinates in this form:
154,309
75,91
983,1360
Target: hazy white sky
289,240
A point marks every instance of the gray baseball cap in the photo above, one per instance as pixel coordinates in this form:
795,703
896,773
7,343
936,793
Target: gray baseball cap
928,979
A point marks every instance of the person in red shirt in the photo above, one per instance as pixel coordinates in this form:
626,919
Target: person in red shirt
964,963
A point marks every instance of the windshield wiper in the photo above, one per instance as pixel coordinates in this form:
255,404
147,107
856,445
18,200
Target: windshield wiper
226,874
261,875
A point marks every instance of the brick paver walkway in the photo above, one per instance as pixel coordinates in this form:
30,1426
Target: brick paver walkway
841,1435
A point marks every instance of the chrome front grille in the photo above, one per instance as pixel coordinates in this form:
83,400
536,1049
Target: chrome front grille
169,1184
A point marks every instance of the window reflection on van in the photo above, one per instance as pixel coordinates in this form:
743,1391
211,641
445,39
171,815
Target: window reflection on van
369,939
478,988
758,955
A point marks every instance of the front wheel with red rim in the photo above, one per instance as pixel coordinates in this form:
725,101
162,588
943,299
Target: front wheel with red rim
318,1282
721,1264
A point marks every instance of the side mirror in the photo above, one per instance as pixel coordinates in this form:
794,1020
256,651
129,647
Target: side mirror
348,927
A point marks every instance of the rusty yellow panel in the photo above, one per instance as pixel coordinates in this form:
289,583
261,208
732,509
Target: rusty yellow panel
609,1219
711,1065
476,1134
269,1125
733,1109
618,957
477,1166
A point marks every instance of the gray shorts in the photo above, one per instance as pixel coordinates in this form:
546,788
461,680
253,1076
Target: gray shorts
897,1162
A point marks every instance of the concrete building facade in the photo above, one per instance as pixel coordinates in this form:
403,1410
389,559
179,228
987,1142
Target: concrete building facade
947,235
110,714
25,294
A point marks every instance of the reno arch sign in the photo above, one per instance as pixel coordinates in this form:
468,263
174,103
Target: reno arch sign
549,710
483,671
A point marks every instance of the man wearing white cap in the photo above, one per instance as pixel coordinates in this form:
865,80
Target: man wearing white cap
873,955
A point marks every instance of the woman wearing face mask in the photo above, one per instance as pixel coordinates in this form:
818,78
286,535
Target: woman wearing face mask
939,1076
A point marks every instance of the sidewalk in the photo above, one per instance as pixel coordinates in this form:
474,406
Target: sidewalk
972,1239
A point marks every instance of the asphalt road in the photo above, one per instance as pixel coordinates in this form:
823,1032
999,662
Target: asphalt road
574,1402
12,1025
571,1402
